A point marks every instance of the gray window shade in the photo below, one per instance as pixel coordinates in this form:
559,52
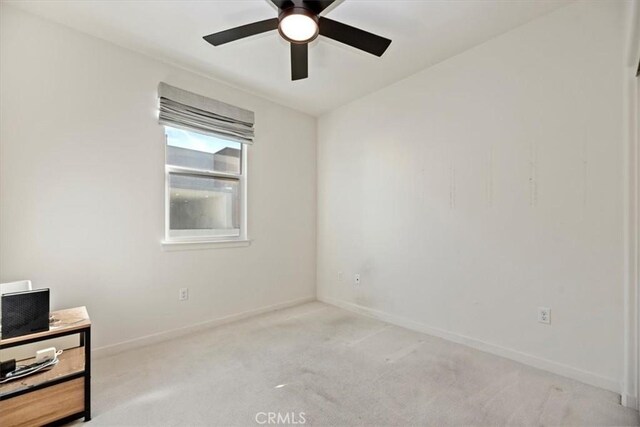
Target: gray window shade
182,109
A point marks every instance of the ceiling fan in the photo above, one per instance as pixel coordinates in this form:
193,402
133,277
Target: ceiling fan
299,23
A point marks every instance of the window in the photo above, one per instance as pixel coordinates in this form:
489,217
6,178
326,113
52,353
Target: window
205,187
205,168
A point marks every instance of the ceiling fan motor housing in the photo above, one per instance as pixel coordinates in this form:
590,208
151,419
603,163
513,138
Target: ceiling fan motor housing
298,10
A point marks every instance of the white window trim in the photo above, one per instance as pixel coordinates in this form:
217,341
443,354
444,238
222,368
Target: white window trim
196,245
190,243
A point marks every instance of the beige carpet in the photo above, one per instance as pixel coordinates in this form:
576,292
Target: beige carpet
337,368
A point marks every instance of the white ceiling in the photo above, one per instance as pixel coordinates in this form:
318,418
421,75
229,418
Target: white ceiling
424,32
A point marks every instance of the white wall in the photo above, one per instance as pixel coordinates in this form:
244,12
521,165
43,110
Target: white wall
484,187
82,188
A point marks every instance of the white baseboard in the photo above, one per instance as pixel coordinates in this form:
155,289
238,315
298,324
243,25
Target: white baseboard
528,359
629,401
112,349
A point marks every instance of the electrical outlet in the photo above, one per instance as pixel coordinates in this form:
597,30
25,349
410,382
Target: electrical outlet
544,315
339,276
183,294
356,279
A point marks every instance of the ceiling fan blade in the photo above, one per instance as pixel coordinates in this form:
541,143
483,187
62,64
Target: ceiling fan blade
353,36
299,61
241,32
317,6
282,4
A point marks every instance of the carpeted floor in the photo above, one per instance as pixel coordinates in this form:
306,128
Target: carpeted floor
325,366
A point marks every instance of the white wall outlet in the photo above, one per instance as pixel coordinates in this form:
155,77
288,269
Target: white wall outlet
183,294
356,279
340,276
544,315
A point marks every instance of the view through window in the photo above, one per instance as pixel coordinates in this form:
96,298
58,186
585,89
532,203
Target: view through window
204,186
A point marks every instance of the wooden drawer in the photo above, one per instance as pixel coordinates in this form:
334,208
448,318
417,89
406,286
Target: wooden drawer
43,406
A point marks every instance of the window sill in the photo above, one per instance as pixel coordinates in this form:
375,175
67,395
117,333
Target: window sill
170,245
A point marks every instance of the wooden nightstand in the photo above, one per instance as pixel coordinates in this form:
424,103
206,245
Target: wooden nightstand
60,394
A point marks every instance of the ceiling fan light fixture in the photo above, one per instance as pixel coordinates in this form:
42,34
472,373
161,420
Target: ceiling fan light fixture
298,25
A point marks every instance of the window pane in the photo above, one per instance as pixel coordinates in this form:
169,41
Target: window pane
203,206
197,151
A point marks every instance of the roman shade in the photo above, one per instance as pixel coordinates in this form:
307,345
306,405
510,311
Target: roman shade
187,110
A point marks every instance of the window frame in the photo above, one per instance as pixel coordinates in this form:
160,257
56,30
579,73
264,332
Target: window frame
242,199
